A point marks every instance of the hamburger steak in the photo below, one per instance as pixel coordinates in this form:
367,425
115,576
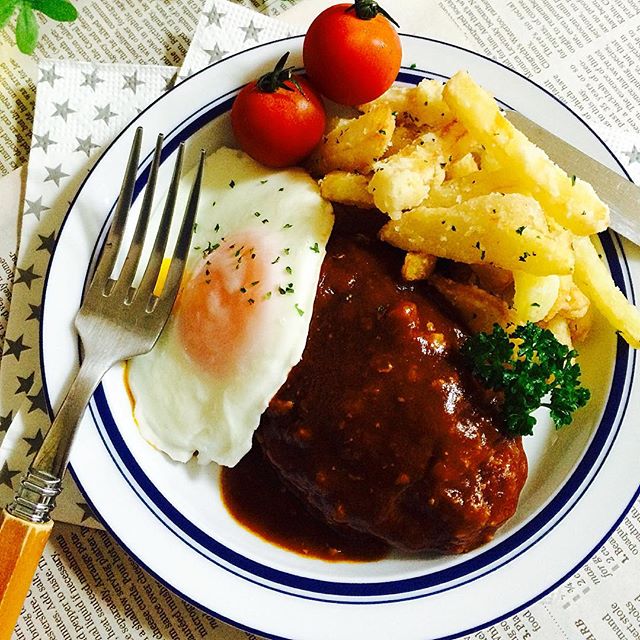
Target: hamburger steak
380,427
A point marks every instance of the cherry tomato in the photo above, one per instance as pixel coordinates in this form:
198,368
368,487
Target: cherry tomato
352,53
279,118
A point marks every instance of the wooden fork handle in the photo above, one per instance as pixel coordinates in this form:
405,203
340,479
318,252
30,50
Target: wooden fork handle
21,546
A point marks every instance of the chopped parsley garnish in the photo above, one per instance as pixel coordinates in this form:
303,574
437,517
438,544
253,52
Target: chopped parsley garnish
217,227
413,65
298,309
315,248
573,181
195,227
532,369
520,230
287,226
287,289
232,184
267,295
243,290
276,260
257,214
286,251
209,249
265,220
264,181
288,270
281,189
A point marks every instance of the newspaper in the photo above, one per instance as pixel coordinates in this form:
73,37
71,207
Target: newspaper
87,587
13,186
586,53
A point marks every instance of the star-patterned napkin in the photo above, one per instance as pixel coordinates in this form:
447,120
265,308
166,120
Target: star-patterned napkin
225,28
80,107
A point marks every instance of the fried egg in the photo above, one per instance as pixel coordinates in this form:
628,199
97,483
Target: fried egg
241,318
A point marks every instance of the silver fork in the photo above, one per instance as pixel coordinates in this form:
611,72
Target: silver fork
115,322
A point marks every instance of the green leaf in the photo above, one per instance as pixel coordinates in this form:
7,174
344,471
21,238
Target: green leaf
59,10
26,29
7,8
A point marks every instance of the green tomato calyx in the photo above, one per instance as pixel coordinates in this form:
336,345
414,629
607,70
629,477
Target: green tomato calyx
369,9
278,78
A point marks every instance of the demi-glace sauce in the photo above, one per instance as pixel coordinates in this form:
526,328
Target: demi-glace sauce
380,428
256,497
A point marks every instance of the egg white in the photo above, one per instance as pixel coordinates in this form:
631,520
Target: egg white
182,407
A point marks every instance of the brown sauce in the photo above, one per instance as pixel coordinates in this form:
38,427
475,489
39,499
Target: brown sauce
379,431
256,498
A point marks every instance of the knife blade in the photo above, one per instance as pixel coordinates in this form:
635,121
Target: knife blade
622,196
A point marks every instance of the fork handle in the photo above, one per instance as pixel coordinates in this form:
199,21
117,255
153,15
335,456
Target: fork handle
21,545
42,482
51,460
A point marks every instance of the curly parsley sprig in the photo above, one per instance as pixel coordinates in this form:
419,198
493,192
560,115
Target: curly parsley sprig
26,28
532,369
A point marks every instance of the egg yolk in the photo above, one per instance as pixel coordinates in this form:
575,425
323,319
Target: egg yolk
222,306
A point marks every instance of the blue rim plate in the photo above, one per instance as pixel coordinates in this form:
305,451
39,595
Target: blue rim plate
170,517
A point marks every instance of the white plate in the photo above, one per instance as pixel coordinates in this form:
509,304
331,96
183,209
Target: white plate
169,516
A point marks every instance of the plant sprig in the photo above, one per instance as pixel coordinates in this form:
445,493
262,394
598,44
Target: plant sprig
26,28
271,81
528,366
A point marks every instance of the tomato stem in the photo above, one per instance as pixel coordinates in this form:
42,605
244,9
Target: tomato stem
277,79
369,9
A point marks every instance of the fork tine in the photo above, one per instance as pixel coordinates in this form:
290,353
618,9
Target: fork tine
125,278
107,260
150,277
181,249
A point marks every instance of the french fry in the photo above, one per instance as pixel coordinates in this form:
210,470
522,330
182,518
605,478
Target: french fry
596,282
479,309
580,327
533,296
403,135
403,180
495,229
493,279
422,105
561,330
418,266
354,144
569,200
347,188
571,303
462,167
397,99
429,106
479,183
